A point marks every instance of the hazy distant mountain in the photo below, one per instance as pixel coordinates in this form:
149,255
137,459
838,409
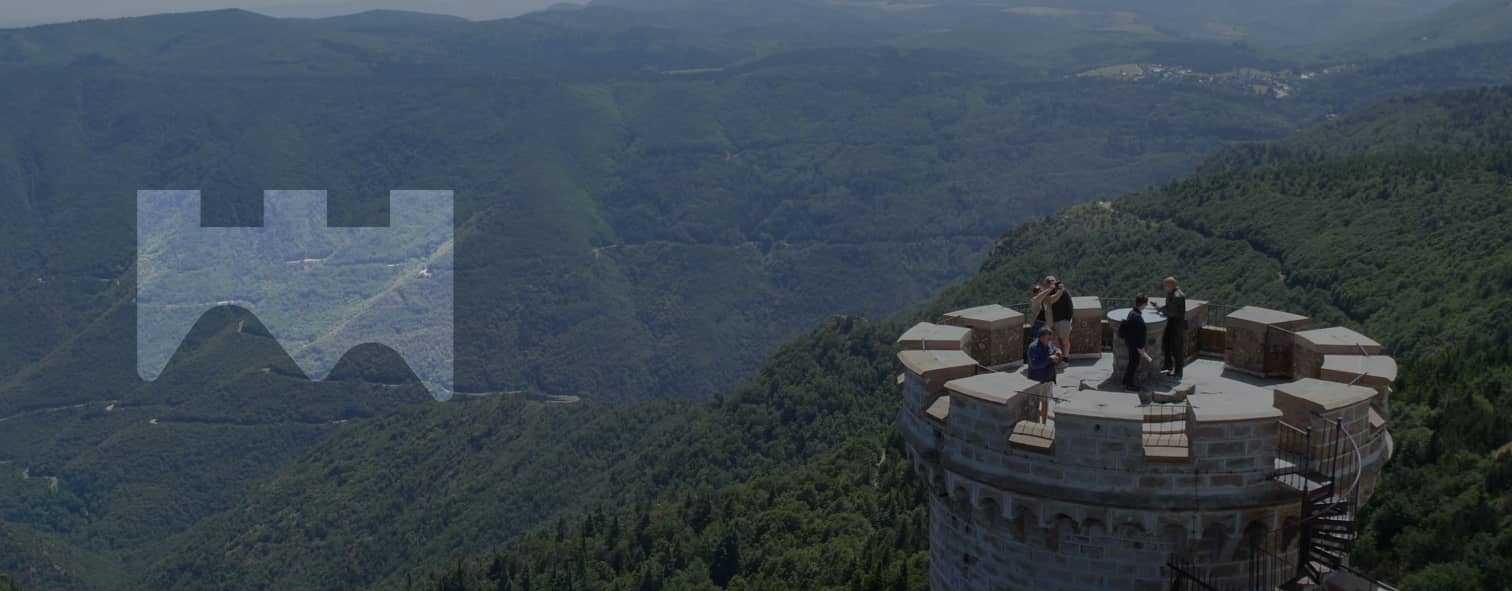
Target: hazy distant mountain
469,9
37,12
1465,22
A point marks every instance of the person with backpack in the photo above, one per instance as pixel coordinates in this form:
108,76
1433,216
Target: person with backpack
1134,333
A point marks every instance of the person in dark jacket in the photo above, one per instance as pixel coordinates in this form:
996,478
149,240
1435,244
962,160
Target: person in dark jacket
1173,341
1134,333
1043,357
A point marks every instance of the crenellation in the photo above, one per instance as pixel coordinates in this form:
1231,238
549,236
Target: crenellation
997,335
927,336
1086,327
1025,500
1259,341
1313,346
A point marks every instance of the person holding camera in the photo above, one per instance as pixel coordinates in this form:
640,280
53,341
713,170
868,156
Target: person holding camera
1058,301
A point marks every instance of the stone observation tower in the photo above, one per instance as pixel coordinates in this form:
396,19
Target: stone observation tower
1245,475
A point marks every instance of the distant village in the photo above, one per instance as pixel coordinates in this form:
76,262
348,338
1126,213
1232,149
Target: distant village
1279,85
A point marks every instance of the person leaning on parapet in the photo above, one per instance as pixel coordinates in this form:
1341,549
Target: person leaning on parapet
1058,301
1132,331
1173,341
1043,356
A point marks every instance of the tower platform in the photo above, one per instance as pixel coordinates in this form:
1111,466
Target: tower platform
1079,484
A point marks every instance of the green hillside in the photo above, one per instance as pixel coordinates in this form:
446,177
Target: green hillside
1267,232
384,498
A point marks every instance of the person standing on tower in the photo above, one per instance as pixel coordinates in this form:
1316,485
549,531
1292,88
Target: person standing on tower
1061,310
1134,334
1173,341
1043,357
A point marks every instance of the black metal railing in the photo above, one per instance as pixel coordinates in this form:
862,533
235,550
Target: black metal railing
1165,425
1186,576
1270,565
1293,450
1323,463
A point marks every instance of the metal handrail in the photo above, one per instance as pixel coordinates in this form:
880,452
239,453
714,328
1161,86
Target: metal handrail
1183,579
1359,461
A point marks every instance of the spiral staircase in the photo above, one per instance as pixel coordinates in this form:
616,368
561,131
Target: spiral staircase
1322,465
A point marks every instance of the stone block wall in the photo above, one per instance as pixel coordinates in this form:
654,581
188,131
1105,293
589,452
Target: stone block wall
981,426
1313,345
997,334
1086,327
1103,459
1259,342
1211,339
1234,454
927,336
1088,446
984,539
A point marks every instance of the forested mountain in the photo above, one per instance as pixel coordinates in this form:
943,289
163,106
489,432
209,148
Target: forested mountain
1406,201
646,208
384,498
621,217
1466,22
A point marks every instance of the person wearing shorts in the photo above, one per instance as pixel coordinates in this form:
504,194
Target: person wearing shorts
1061,311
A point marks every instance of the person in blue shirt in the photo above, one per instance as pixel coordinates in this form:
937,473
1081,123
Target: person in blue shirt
1043,356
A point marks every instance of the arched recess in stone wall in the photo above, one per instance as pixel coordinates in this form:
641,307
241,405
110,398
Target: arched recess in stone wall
1291,530
1066,525
1130,530
961,499
990,512
1094,528
1254,537
1174,536
1215,539
1020,523
1061,526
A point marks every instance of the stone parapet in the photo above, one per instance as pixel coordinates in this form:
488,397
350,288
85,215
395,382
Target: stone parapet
1212,340
926,372
926,336
1086,327
1259,341
997,333
1312,345
1373,371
